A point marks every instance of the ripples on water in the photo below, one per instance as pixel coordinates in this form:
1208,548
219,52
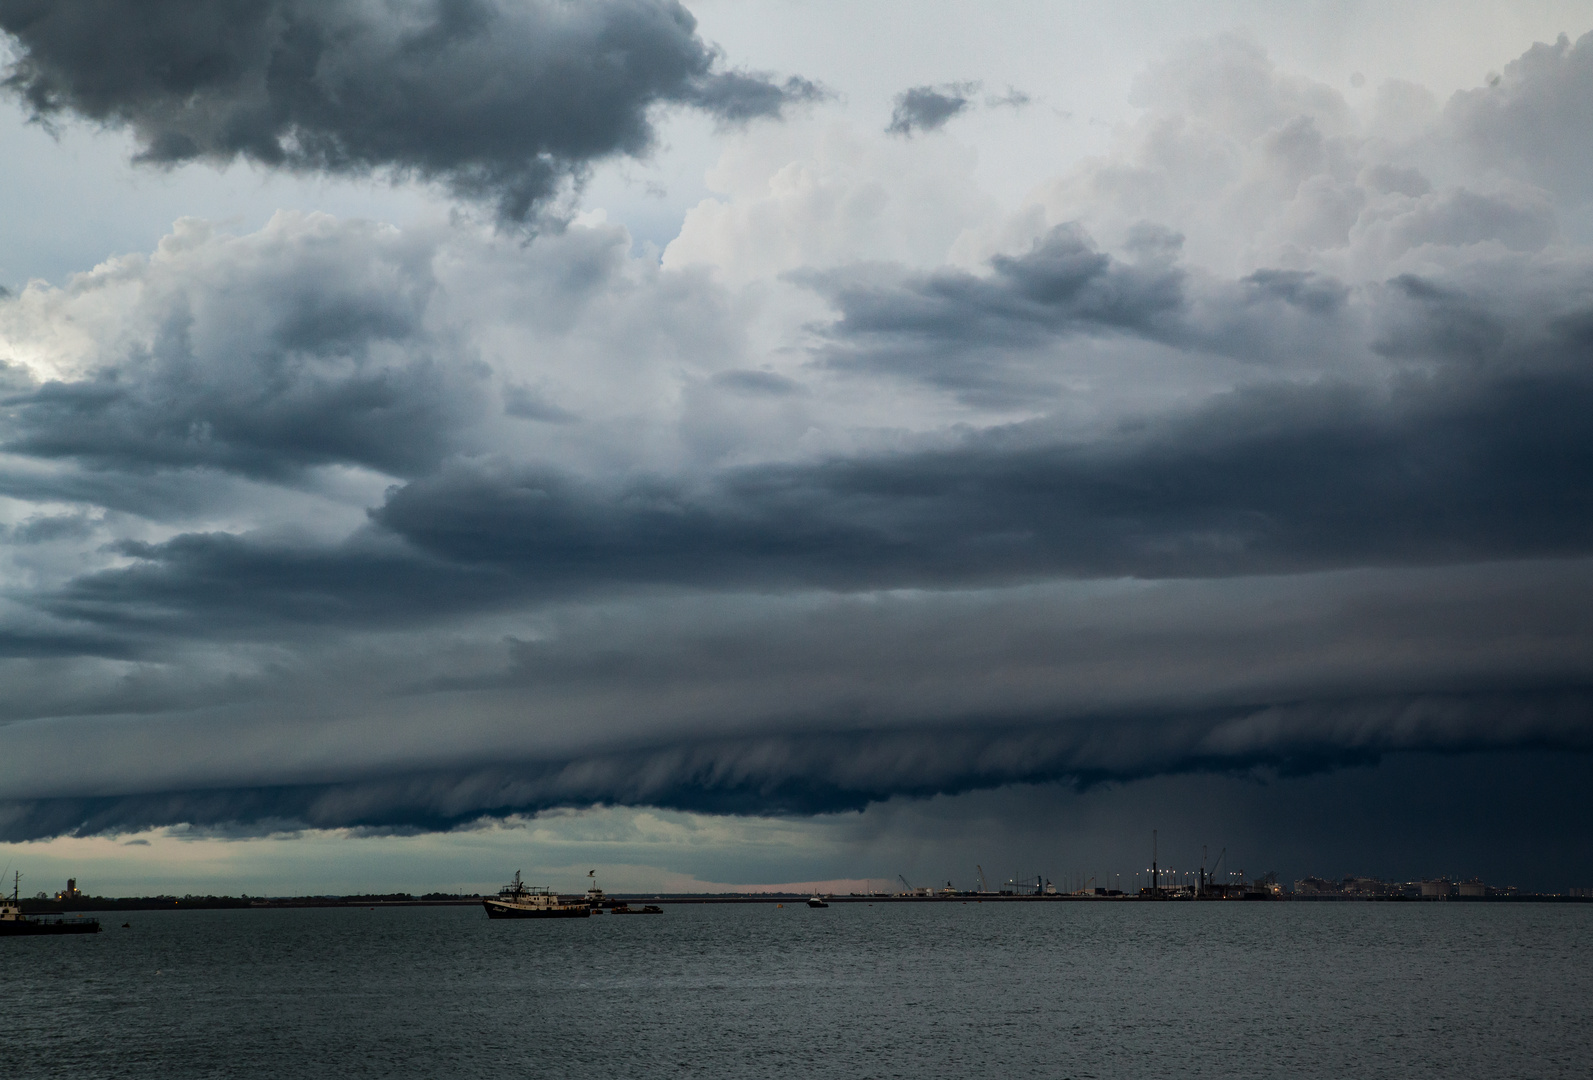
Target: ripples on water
909,990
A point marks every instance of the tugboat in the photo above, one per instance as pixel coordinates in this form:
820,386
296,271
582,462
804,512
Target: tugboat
818,901
14,924
520,901
601,904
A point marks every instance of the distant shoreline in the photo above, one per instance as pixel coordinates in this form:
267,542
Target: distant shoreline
260,903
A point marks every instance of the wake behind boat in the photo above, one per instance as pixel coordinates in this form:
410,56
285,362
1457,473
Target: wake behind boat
520,901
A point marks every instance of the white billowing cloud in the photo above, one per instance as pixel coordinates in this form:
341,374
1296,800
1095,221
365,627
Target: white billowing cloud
818,194
1257,168
1532,121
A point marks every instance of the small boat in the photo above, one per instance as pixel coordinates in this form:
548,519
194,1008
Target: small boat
520,901
600,904
15,924
818,901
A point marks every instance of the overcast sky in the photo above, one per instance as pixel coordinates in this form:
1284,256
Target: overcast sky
763,441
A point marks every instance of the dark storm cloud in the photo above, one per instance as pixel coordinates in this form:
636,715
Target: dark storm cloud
1269,479
1535,117
1313,292
44,528
927,108
803,703
757,382
968,332
525,403
501,102
21,644
818,772
1062,283
739,96
1274,479
998,338
1479,452
397,420
1411,816
164,495
239,585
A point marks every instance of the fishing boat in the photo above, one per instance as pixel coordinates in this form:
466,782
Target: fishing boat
818,901
15,924
518,900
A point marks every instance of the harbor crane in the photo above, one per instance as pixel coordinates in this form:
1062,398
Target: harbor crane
1208,880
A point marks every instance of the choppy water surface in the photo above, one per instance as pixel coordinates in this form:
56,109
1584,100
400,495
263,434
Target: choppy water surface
1054,990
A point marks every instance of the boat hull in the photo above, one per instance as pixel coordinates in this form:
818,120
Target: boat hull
30,928
497,909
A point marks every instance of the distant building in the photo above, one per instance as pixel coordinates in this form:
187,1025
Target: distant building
1474,887
1436,890
70,892
1315,886
1368,886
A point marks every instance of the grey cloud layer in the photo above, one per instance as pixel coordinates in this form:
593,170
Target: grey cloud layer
1273,481
501,102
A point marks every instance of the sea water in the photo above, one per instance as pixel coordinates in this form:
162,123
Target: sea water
856,990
